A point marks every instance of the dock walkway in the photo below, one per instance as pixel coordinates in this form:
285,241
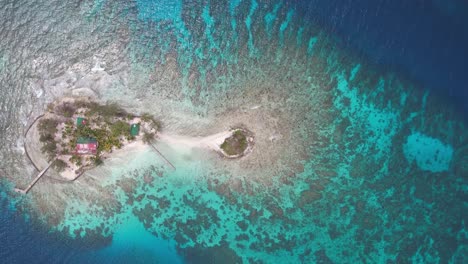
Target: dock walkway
35,179
162,156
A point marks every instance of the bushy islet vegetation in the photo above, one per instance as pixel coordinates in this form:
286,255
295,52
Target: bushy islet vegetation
236,144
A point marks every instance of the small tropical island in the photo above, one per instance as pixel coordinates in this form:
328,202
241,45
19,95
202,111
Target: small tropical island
237,145
78,134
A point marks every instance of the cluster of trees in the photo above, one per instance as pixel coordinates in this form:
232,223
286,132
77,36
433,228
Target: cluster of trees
235,144
107,111
47,129
106,139
150,119
241,139
97,160
59,165
148,137
68,129
67,109
76,159
48,126
120,128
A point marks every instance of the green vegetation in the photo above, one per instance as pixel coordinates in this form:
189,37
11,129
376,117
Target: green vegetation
46,138
148,137
48,126
59,165
50,107
146,117
235,144
153,122
108,124
107,111
76,159
68,129
97,160
66,109
107,139
84,104
49,148
47,130
120,128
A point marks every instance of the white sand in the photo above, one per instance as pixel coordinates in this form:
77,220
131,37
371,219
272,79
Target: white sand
130,148
212,142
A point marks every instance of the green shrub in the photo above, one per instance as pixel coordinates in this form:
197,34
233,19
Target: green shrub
48,126
146,117
108,110
59,165
50,107
235,144
97,160
85,131
66,109
120,128
76,159
129,116
46,138
148,137
82,104
49,148
156,125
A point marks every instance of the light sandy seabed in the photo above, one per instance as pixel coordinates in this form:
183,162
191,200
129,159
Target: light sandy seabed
212,142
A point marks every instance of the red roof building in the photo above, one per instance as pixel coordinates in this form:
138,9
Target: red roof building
86,146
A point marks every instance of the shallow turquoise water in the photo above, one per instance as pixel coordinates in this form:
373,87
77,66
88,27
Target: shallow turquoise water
373,168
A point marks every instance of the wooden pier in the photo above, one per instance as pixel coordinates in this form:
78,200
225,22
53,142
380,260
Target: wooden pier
35,179
162,156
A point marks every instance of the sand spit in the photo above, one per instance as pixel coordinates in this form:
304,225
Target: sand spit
184,143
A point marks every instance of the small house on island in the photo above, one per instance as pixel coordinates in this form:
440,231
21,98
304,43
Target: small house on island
80,121
86,145
134,130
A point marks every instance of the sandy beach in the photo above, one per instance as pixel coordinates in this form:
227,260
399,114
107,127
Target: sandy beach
186,143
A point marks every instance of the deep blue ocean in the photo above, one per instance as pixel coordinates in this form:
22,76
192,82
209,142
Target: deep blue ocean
424,41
